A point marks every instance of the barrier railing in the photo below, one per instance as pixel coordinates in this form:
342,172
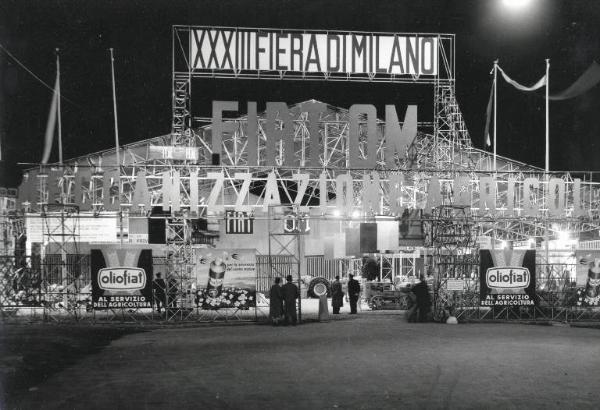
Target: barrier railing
47,289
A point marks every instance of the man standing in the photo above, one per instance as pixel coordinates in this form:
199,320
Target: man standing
172,291
353,293
159,287
337,295
276,302
290,293
423,300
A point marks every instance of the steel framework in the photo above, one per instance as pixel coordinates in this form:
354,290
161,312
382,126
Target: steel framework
442,148
62,285
287,244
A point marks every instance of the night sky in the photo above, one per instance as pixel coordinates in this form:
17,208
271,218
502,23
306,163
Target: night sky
567,32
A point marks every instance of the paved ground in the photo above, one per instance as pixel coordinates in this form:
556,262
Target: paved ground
373,361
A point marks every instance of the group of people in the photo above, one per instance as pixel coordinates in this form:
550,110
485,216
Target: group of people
283,302
282,299
165,292
337,295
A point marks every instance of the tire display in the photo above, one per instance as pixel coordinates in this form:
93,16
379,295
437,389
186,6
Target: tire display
318,287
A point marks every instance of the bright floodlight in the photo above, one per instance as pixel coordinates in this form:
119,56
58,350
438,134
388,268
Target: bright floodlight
516,4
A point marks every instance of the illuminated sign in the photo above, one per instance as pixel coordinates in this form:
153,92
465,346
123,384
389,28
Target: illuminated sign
506,197
238,223
294,224
235,49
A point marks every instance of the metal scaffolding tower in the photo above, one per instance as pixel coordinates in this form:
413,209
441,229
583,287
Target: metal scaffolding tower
61,277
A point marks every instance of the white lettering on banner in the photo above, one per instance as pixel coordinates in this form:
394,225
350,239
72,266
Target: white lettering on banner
243,194
98,229
529,197
302,185
238,222
216,193
310,52
271,192
507,277
122,278
138,238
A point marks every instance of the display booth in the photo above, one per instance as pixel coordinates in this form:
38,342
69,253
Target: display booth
230,200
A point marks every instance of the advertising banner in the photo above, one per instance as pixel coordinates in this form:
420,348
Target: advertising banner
121,278
507,277
226,278
588,277
97,229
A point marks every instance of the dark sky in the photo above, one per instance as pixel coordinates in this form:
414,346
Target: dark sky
567,32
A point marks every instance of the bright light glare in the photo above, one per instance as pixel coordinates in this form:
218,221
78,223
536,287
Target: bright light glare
563,236
336,213
516,4
504,244
356,214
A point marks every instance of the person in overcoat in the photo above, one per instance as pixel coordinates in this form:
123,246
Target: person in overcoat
276,302
423,300
290,293
337,295
353,293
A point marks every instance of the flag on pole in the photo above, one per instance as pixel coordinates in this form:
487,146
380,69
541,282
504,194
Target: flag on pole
488,119
540,83
51,124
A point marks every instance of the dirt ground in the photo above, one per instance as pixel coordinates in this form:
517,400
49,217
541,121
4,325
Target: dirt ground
371,361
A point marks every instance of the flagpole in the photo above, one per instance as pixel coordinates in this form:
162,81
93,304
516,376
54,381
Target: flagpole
112,68
60,151
547,115
118,155
495,107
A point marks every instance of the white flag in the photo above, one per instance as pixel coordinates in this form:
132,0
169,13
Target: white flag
541,82
51,124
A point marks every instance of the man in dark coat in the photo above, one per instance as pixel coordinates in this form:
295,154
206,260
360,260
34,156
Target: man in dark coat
172,291
290,293
337,295
159,287
276,302
423,300
353,293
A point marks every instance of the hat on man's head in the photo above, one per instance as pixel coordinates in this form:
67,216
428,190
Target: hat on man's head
350,276
337,277
289,278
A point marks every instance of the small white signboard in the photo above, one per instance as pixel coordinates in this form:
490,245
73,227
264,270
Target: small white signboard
455,284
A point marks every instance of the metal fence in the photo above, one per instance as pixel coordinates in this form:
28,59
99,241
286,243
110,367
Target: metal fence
48,288
556,297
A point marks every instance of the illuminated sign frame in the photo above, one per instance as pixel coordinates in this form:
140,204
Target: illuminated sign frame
271,53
